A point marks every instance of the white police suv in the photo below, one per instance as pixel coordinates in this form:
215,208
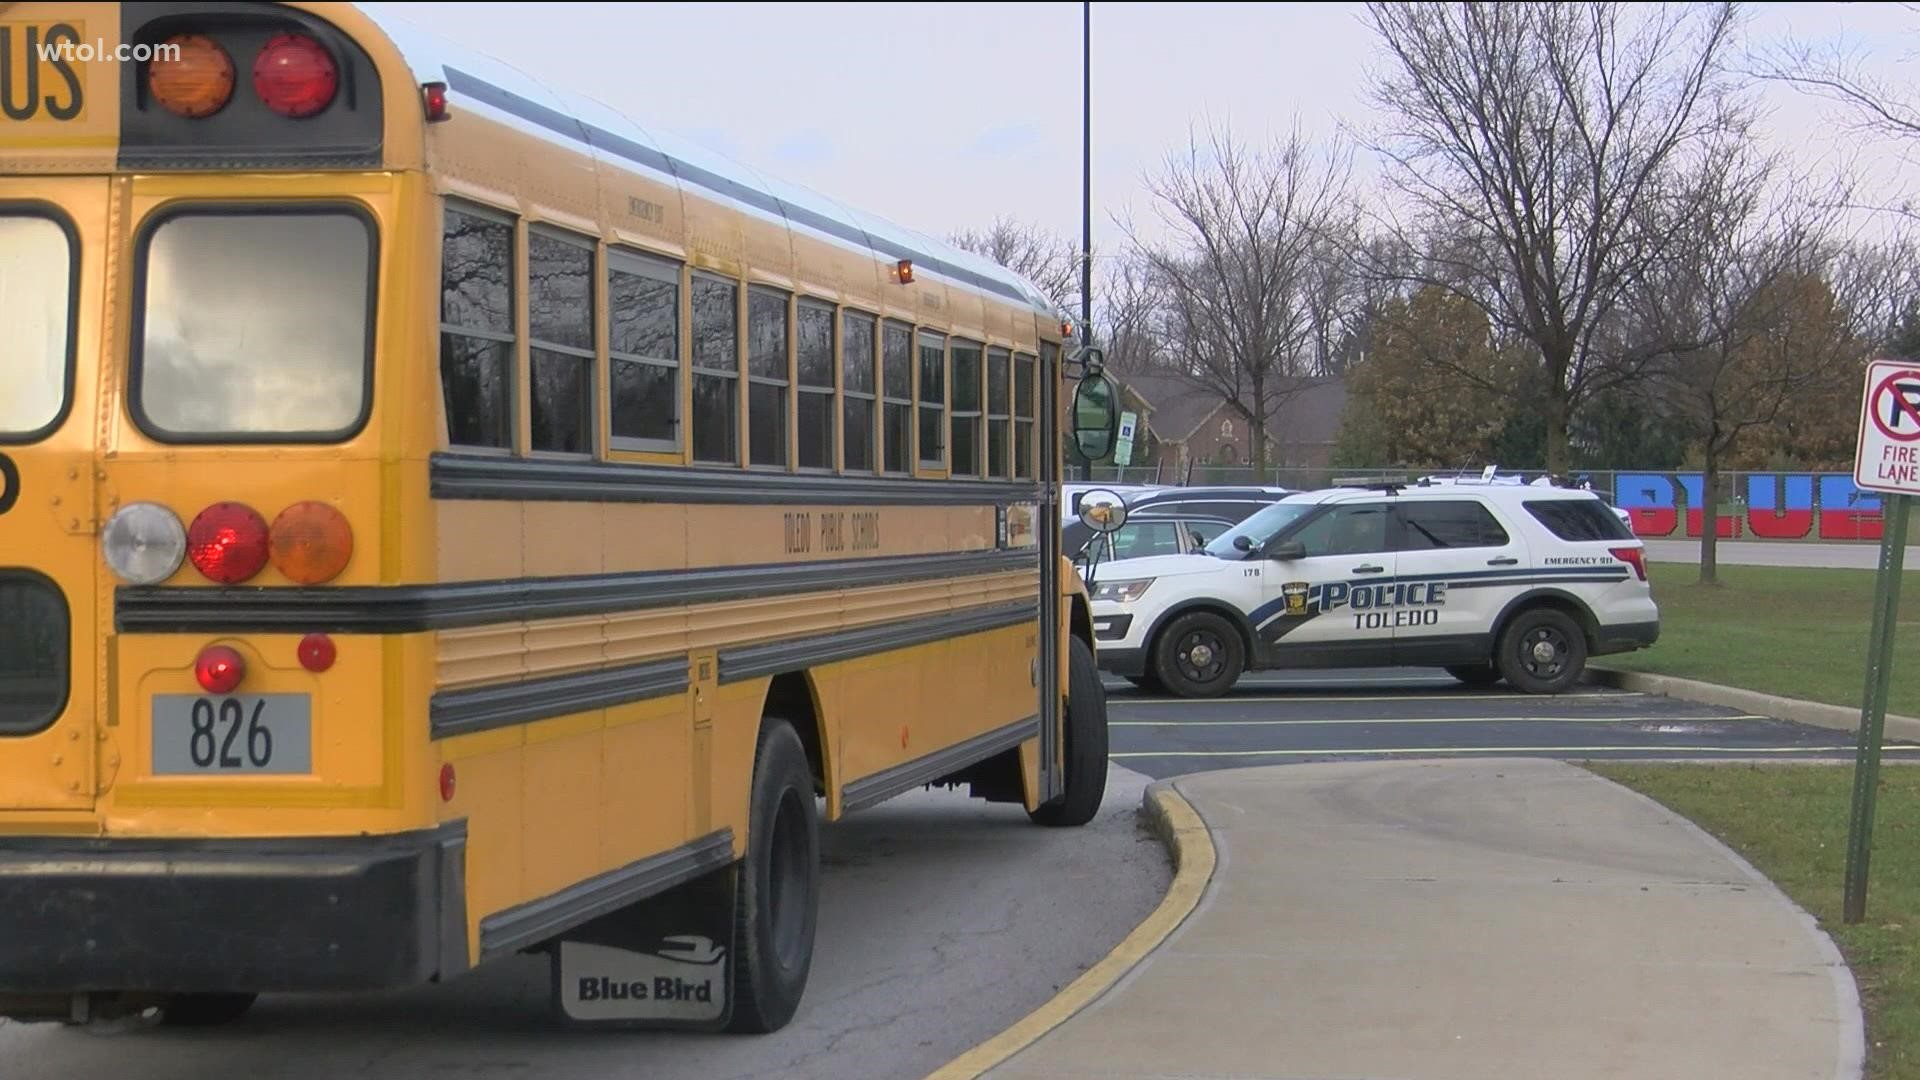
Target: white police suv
1491,582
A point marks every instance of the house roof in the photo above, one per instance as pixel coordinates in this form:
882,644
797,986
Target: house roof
1178,405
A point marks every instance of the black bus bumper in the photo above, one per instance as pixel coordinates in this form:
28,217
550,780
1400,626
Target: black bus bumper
222,916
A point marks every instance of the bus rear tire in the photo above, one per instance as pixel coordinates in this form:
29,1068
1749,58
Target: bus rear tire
205,1010
1084,756
777,899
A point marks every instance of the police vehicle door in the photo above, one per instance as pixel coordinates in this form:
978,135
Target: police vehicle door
1307,615
1456,567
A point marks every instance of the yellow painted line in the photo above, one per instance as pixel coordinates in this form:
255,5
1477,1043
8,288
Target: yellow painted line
1315,699
1194,859
1354,751
1434,720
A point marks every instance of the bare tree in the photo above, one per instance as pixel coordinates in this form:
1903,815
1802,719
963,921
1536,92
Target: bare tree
1244,228
1535,136
1835,71
1745,315
1043,257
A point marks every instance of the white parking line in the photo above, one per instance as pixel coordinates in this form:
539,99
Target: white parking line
1660,748
1306,699
1434,720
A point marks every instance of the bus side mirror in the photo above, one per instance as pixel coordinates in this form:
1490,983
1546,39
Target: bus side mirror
1096,416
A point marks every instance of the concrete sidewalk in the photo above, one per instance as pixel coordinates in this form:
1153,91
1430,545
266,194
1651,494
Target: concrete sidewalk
1478,920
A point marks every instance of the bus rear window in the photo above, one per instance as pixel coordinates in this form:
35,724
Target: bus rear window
36,307
254,326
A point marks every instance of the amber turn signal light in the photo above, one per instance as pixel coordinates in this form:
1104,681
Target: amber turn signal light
195,78
310,542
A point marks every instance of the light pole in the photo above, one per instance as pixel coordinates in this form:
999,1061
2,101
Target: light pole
1086,173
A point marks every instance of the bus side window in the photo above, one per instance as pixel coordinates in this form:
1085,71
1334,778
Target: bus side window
716,367
998,409
815,340
856,382
1023,388
643,348
966,408
476,328
897,406
932,393
560,331
767,376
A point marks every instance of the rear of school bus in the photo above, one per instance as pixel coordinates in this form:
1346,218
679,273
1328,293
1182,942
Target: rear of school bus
205,447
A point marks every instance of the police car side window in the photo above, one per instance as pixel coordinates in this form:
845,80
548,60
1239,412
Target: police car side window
1136,539
1346,530
1428,526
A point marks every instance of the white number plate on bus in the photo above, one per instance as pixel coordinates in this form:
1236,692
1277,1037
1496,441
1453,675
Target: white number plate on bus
242,733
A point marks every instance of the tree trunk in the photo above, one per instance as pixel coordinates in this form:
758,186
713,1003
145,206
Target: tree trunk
1559,417
1259,432
1710,513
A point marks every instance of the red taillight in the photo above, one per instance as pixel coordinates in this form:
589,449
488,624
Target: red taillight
227,542
294,75
317,653
1634,557
434,96
219,669
446,783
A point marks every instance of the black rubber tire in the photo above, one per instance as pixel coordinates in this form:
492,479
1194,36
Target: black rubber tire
1084,757
1477,675
1527,671
776,900
205,1010
1147,683
1226,655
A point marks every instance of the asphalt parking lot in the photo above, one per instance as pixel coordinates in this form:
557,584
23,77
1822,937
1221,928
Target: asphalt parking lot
1274,718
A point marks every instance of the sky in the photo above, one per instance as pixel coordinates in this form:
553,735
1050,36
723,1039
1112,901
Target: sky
948,116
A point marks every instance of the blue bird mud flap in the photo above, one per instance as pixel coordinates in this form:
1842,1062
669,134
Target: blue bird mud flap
663,963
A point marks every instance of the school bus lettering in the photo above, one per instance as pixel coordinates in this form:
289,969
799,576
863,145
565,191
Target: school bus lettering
9,483
799,533
24,51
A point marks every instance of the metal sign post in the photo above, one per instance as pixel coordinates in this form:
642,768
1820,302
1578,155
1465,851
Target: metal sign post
1887,459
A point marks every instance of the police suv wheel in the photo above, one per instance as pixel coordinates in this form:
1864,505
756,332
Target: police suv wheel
1477,675
1542,652
1199,655
777,899
1084,757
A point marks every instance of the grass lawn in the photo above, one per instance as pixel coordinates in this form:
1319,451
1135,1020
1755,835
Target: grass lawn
1790,821
1795,632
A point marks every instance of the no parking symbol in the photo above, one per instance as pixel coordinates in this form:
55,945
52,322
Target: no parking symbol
1888,457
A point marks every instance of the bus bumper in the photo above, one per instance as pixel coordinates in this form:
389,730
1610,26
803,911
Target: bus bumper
213,916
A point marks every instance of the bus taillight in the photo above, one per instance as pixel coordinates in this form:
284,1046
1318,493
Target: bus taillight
195,78
295,75
227,542
311,542
219,669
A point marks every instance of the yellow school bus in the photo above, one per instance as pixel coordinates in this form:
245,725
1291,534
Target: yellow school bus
441,518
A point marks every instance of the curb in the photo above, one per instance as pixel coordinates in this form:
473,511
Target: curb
1818,714
1179,827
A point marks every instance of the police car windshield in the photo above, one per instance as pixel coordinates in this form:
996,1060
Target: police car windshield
1260,528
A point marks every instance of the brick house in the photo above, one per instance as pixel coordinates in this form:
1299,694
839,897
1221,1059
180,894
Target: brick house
1182,424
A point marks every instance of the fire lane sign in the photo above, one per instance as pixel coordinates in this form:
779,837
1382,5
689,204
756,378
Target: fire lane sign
1888,454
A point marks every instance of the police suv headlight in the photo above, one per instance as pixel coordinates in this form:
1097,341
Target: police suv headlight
1122,592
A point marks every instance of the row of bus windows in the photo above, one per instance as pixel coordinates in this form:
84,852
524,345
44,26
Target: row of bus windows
988,425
